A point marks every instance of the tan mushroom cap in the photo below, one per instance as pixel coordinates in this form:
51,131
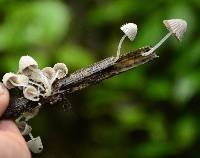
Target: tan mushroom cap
61,69
31,93
26,63
11,80
177,26
49,72
130,30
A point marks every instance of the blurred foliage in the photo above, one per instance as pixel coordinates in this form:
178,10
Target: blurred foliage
149,112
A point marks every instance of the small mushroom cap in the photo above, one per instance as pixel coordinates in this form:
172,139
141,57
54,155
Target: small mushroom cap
26,63
6,80
177,26
24,128
61,69
49,72
19,80
35,145
130,30
31,93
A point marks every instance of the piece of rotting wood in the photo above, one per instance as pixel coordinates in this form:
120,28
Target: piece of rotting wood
79,80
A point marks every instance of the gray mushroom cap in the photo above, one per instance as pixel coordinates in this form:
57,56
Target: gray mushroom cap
130,30
31,93
49,72
24,128
11,80
35,145
61,69
26,64
177,26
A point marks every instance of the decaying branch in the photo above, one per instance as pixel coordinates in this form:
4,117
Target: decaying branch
62,88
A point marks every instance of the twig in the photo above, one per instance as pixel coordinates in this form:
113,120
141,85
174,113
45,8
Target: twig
62,88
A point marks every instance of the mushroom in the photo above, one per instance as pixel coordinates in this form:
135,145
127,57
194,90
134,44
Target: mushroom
29,67
49,72
61,70
35,144
11,80
24,128
27,64
176,27
31,93
130,31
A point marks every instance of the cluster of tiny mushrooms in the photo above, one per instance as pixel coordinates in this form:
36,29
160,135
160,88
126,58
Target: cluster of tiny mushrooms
36,83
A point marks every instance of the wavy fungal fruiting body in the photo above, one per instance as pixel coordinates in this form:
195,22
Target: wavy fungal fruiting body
34,82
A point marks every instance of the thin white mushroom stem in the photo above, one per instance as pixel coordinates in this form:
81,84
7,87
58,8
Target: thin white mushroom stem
119,46
46,83
19,118
36,84
18,85
31,136
44,78
158,44
54,78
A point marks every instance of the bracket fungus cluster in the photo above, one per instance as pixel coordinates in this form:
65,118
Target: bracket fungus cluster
34,82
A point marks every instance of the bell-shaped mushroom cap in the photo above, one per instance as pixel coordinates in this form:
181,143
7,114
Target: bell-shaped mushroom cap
26,63
11,80
24,128
130,30
35,145
6,80
61,69
49,72
31,93
177,26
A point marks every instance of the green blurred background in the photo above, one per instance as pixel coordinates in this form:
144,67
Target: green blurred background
149,112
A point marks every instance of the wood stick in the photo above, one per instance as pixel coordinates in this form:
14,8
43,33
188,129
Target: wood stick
62,88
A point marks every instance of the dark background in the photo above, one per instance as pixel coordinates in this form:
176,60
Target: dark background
149,112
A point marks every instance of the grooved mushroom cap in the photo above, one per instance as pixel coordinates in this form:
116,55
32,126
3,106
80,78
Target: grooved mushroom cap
177,26
31,93
35,145
26,63
61,69
130,30
24,128
49,72
11,80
